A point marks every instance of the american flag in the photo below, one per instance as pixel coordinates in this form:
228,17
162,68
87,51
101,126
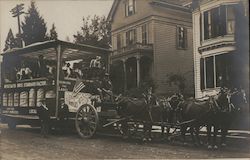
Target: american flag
79,85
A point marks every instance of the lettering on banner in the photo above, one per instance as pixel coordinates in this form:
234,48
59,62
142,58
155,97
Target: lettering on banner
74,102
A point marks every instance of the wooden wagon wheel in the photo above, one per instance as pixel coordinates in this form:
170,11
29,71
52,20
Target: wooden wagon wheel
86,121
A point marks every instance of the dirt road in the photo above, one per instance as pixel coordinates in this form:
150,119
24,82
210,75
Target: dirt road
25,143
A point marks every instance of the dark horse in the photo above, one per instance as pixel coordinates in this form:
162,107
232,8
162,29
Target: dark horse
216,111
143,111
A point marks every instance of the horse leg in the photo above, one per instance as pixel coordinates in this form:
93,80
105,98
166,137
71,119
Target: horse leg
192,134
209,136
183,134
215,137
124,129
197,131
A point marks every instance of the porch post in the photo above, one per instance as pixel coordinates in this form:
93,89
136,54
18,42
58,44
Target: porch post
125,74
138,71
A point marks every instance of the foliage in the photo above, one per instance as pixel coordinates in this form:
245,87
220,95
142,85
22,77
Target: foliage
178,80
53,33
10,41
34,27
137,92
95,31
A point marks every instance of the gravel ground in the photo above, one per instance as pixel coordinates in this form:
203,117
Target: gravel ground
26,143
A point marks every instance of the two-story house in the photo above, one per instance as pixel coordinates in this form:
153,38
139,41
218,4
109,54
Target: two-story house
152,40
220,39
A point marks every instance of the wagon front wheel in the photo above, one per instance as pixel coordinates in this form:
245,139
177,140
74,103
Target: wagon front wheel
86,121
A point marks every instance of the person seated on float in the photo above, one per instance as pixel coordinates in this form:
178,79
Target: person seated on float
67,70
105,91
51,71
76,73
25,72
95,66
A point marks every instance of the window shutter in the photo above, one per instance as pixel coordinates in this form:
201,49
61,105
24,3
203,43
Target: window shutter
206,31
202,78
200,27
126,9
185,38
223,28
177,37
134,6
127,38
135,35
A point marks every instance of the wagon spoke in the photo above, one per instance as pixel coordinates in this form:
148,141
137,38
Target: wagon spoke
86,121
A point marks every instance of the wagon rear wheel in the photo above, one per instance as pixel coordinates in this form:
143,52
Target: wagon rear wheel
86,121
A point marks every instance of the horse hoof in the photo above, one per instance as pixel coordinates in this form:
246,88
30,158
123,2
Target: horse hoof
184,143
223,145
215,147
149,139
209,147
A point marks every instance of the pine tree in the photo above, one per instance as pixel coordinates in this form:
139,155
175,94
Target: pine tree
95,31
34,27
53,33
10,41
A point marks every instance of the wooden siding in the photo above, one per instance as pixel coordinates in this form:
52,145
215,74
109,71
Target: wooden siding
169,60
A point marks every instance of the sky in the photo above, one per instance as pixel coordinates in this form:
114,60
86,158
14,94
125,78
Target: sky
66,14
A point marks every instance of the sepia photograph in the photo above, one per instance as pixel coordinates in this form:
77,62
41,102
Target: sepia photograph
124,79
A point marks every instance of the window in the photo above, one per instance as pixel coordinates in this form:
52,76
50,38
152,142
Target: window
130,7
230,20
119,44
216,71
131,37
181,38
219,21
144,34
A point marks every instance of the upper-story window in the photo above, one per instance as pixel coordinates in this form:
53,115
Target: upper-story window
131,37
129,7
219,21
181,37
144,34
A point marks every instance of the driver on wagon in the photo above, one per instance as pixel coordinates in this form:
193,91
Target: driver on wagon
106,88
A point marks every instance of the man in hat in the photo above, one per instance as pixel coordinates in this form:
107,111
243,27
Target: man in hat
63,113
106,90
43,113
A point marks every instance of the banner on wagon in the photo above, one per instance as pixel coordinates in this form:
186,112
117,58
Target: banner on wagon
76,101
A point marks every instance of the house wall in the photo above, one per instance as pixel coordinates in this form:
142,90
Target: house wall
170,60
162,33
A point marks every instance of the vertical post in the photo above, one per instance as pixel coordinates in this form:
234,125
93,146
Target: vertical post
125,74
58,68
138,71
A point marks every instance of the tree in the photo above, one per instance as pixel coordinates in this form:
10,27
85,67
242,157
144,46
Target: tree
10,41
34,27
95,31
53,33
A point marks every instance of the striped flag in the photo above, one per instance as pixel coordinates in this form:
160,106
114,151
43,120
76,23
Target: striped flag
79,85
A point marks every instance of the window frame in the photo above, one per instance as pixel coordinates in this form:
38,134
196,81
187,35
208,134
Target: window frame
128,5
184,46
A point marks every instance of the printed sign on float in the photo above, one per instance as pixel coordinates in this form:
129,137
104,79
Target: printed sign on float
76,101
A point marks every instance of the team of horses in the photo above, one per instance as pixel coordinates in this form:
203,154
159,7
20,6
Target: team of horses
189,114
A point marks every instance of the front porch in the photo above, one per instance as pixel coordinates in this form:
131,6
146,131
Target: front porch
131,66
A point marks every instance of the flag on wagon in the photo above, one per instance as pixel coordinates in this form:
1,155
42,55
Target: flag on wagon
79,85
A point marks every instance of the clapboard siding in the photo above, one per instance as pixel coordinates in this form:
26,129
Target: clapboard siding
169,60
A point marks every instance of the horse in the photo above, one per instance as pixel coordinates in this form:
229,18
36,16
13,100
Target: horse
236,101
144,110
